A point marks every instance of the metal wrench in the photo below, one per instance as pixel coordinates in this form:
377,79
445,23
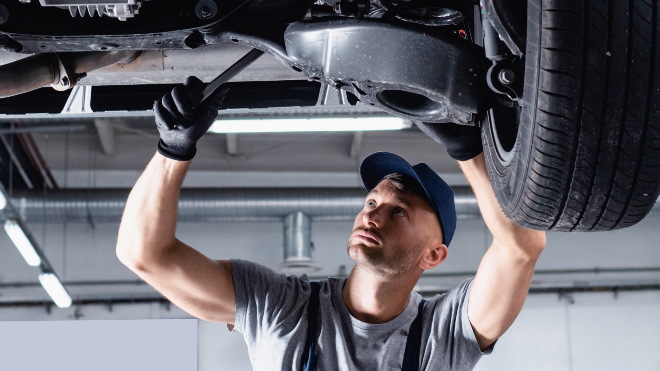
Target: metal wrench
231,72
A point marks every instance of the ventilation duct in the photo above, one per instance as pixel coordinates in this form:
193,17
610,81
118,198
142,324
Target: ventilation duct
295,207
198,205
298,245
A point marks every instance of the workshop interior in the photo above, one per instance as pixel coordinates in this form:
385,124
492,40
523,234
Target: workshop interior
566,95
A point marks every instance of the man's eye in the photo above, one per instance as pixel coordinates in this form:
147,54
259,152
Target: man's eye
399,211
370,203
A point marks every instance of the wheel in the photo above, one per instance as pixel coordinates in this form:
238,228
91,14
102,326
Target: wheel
583,151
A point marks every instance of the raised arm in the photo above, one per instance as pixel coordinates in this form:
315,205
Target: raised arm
500,287
147,244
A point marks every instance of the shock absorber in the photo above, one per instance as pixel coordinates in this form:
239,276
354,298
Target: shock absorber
496,49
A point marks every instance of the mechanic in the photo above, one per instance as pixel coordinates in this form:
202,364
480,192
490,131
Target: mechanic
372,320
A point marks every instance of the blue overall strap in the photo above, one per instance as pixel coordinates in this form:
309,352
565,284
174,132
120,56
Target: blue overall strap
414,342
309,358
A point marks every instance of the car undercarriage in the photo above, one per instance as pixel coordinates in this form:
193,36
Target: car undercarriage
565,150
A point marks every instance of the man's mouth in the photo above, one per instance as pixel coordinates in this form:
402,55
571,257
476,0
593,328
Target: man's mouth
367,237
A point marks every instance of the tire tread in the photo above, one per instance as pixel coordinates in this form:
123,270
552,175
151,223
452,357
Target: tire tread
594,162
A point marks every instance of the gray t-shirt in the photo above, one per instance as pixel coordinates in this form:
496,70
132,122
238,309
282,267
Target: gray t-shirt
271,313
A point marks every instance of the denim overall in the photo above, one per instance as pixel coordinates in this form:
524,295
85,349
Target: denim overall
413,344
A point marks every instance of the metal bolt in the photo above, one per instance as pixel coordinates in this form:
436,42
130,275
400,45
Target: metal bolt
506,76
206,9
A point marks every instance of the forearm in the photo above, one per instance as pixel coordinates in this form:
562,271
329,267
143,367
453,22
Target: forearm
502,281
149,221
528,242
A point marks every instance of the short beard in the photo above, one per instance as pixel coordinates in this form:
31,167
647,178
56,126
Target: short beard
395,263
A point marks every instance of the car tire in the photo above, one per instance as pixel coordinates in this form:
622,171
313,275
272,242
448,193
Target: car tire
585,153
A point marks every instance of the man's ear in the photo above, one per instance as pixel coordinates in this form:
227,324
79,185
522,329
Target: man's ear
433,257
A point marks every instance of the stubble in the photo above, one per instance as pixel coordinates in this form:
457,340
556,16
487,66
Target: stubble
386,261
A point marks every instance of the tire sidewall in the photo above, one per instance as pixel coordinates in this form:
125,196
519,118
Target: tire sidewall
508,180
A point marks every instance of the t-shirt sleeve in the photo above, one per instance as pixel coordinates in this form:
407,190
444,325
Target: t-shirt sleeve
266,300
451,329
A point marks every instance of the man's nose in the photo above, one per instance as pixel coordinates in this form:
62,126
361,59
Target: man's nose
373,218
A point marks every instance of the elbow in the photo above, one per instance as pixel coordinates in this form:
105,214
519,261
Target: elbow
127,255
130,252
141,255
540,242
526,246
534,244
131,260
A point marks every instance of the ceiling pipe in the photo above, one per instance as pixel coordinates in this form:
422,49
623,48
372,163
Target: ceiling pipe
200,205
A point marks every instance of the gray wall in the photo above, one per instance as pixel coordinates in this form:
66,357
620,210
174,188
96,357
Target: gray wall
164,345
90,254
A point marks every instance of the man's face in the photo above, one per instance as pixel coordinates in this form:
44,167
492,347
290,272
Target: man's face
392,230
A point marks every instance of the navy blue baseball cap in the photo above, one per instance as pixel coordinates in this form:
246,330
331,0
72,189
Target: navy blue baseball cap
378,165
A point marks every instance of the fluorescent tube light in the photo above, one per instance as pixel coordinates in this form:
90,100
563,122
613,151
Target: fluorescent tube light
309,125
22,243
54,288
3,201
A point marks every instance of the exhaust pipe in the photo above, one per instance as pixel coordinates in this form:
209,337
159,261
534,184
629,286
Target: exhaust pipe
59,70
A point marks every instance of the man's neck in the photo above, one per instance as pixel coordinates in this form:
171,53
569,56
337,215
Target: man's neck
375,299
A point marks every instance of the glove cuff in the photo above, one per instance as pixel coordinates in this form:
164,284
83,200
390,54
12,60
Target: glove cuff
176,153
464,154
462,142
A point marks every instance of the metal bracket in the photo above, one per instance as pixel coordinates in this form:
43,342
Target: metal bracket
327,98
79,100
507,78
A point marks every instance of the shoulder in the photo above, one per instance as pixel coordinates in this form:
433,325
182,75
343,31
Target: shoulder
252,271
451,302
460,290
252,279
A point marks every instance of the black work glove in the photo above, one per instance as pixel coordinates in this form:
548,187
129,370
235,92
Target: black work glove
463,142
182,120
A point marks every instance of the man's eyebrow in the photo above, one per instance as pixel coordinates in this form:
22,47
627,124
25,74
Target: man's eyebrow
404,202
372,192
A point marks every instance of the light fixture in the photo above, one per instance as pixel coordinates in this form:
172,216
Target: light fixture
22,243
309,125
54,288
3,200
